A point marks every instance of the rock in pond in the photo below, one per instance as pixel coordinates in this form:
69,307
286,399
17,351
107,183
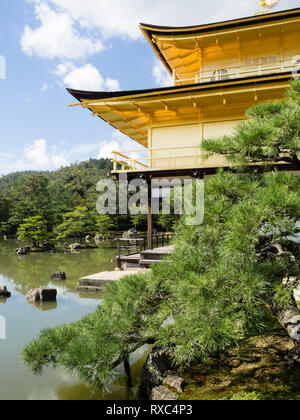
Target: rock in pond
42,295
131,234
23,250
73,247
59,275
4,292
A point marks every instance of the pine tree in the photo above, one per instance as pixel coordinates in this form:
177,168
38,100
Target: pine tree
226,279
105,224
34,230
76,223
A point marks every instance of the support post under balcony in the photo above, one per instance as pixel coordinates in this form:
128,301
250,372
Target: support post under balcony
150,216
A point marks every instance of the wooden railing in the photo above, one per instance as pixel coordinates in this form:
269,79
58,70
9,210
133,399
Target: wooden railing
134,246
129,163
232,73
171,155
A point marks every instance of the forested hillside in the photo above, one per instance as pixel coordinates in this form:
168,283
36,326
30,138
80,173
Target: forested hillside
64,202
50,195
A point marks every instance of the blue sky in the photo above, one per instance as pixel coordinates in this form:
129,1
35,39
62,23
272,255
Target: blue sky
86,44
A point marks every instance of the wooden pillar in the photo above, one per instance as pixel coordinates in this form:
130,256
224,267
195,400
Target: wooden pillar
150,217
119,254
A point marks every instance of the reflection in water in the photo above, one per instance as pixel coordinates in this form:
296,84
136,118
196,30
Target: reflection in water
25,321
44,306
117,391
3,301
34,270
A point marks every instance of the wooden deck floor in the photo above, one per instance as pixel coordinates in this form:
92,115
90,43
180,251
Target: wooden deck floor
96,282
164,250
101,279
154,254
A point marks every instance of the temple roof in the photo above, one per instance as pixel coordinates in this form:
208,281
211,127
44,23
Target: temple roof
132,112
178,47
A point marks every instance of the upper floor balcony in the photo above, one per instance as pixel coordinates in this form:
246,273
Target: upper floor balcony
164,159
252,66
257,45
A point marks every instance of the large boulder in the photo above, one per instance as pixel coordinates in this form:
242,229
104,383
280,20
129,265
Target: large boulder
42,295
4,292
153,372
131,234
23,250
75,246
297,294
59,275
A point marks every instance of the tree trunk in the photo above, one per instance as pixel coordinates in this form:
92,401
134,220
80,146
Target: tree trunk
127,370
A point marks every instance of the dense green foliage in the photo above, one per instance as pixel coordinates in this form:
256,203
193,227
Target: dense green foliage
75,222
224,275
34,230
105,224
52,196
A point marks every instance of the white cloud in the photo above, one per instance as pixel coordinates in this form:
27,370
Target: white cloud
84,149
5,155
71,30
44,87
161,76
118,143
35,156
63,69
57,37
122,17
112,85
86,77
41,157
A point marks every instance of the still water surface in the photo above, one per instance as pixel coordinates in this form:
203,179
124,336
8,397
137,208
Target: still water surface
24,321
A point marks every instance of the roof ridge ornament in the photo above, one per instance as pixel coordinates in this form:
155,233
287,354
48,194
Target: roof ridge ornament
267,5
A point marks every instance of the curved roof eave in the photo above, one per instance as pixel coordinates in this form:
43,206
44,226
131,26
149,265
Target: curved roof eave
173,30
149,30
82,95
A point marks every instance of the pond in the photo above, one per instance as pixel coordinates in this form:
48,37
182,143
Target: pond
24,322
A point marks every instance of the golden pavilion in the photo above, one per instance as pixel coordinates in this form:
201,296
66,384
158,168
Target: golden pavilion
219,70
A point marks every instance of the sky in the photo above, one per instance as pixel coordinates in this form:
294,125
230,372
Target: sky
48,45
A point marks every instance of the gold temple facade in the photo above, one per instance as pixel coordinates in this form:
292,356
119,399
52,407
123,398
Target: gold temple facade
219,71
